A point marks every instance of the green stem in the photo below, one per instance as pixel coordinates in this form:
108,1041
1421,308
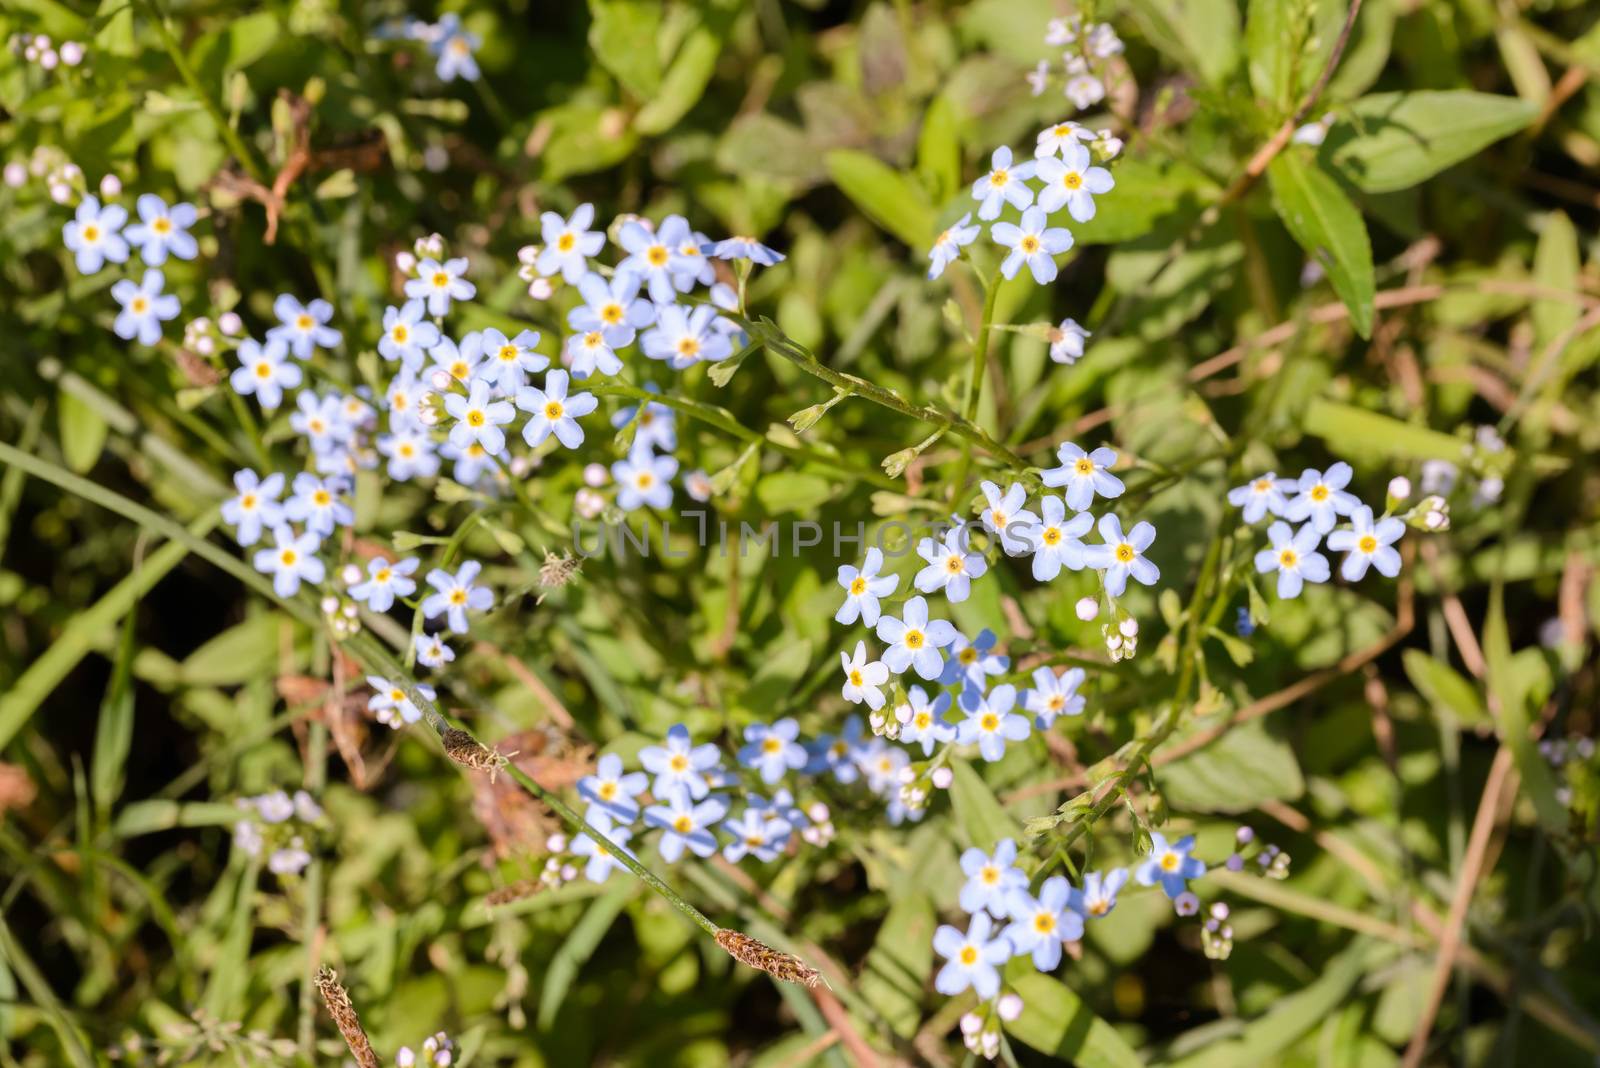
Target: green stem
980,355
362,646
229,135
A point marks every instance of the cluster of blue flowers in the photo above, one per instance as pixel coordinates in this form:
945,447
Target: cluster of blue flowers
1317,500
98,234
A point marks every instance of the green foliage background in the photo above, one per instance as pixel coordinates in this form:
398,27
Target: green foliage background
1452,211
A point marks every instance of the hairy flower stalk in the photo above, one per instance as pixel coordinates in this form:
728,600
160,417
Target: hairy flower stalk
757,954
337,999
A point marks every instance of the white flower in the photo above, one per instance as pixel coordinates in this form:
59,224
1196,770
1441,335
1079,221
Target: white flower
654,258
951,566
614,309
644,479
554,412
265,371
161,230
1032,243
507,361
392,703
384,582
478,419
914,640
1072,181
1052,139
922,722
743,248
1322,497
291,559
1004,184
990,723
611,790
256,505
680,765
971,959
862,589
440,283
410,453
431,649
316,504
406,334
1066,342
1294,557
1056,541
1084,90
1368,544
568,243
686,824
773,750
93,235
948,245
863,678
303,327
602,854
1006,518
1054,695
144,308
455,595
1084,474
1262,495
1121,556
1038,78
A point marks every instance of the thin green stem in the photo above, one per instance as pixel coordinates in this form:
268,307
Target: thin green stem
980,356
229,135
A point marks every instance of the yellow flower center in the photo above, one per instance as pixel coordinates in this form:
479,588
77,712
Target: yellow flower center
400,332
440,279
407,450
1029,244
683,824
566,242
611,313
969,655
1368,544
990,874
1044,923
679,762
458,596
969,956
913,639
553,410
163,225
1263,485
1072,180
657,255
91,232
475,418
855,678
1126,553
644,480
1097,907
397,695
688,346
248,501
1057,703
858,586
1083,466
304,322
321,498
999,178
999,518
924,720
771,745
1319,492
954,564
263,369
140,305
383,575
1169,862
508,353
608,791
288,556
989,722
459,369
1052,535
1288,558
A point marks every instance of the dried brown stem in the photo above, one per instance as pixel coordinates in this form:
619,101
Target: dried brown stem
337,999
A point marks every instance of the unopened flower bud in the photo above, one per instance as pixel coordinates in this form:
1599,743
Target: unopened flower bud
110,186
942,777
971,1023
1087,608
595,475
1010,1006
556,843
1399,488
1129,627
405,261
540,289
230,324
72,55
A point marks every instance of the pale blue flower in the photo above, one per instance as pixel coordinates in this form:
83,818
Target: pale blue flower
1170,865
614,308
554,412
1039,925
1322,497
686,824
478,418
1007,518
1033,243
743,248
93,236
1072,181
990,722
440,283
1067,342
144,308
683,337
384,582
1294,557
881,763
680,765
1084,474
1099,894
922,721
255,507
653,257
914,640
1368,544
838,753
773,750
1262,495
406,334
392,703
972,662
568,243
303,327
454,49
863,587
1119,557
410,452
321,420
863,679
471,463
602,854
952,565
264,371
657,424
612,790
317,504
461,361
754,835
643,479
162,230
508,361
1056,541
971,959
1004,184
432,651
1053,696
991,878
291,559
948,245
455,595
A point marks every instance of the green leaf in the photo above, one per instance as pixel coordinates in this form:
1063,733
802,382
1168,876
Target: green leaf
1357,430
113,735
1555,267
886,196
1287,45
1235,773
792,491
1055,1021
623,37
580,945
1391,141
687,77
1443,687
244,651
900,960
1329,228
939,150
83,432
980,812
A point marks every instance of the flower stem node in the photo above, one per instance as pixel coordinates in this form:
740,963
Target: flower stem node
467,751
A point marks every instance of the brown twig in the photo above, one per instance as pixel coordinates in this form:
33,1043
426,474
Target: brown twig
1502,776
337,1000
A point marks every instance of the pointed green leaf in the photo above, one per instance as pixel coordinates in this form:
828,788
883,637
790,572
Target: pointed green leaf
1055,1021
980,812
886,196
1329,228
1390,141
